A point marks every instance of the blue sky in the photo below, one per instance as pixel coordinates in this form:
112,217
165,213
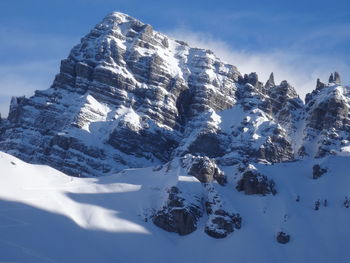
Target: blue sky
298,40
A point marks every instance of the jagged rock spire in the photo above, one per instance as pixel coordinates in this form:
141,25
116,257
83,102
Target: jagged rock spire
334,78
331,78
319,85
271,81
253,79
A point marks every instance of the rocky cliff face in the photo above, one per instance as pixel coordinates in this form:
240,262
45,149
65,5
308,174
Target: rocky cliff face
128,96
123,98
327,123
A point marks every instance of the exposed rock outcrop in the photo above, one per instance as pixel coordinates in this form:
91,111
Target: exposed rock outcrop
337,78
270,83
282,238
220,222
327,119
317,171
178,215
253,182
204,169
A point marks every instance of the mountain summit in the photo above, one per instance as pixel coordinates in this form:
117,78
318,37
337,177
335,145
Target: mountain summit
128,96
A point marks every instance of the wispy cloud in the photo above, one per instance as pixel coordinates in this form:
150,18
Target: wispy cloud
37,57
299,68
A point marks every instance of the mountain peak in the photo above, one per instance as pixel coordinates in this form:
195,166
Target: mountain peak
270,82
184,136
334,78
130,97
130,89
118,18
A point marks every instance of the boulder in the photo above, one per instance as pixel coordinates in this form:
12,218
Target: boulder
204,169
221,223
177,215
253,182
282,238
317,171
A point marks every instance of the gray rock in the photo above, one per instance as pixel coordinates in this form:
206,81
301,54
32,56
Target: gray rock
334,78
276,149
330,113
270,82
205,169
337,78
326,118
176,216
331,78
317,171
282,238
143,143
222,224
208,144
320,85
251,79
253,182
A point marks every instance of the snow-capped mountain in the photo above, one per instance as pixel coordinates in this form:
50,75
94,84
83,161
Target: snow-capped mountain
210,149
128,96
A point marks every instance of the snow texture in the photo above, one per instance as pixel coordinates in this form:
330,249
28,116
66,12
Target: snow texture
48,216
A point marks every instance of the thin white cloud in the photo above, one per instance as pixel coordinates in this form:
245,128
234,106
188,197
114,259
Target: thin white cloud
23,78
300,69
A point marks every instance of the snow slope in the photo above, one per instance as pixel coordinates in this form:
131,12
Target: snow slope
47,216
